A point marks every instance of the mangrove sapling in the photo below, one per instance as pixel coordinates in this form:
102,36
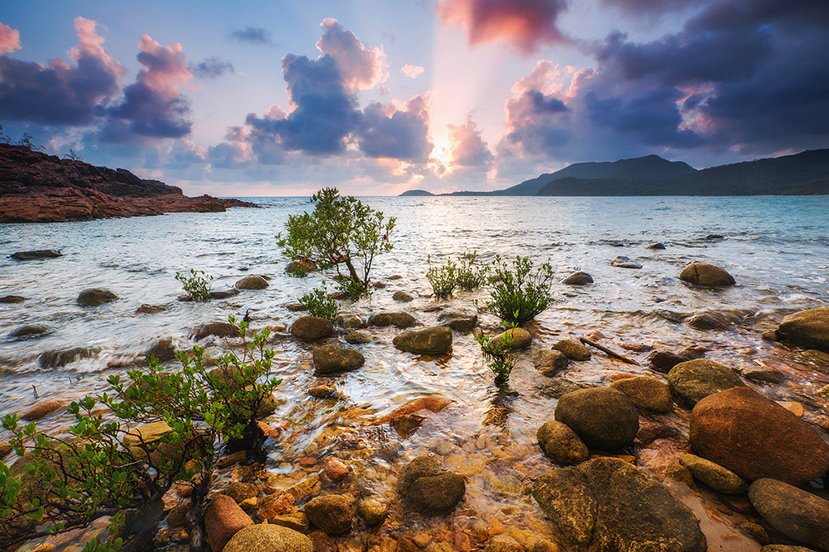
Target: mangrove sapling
442,278
499,353
470,275
196,285
320,303
518,292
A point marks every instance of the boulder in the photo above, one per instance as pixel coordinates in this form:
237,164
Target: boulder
663,361
94,297
334,514
521,338
223,518
268,537
796,513
603,417
433,340
61,357
808,329
706,275
219,294
296,307
461,320
402,296
427,487
708,321
432,403
11,299
573,348
372,511
219,329
29,331
312,328
656,246
359,337
624,262
333,359
757,438
578,279
561,444
693,380
252,281
150,309
41,410
322,391
402,320
713,475
607,505
300,267
550,362
162,350
646,393
349,321
334,469
36,254
147,433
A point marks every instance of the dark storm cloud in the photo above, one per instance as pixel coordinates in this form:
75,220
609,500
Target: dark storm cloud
212,68
651,7
252,35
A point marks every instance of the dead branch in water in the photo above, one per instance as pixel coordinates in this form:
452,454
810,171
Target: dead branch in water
609,352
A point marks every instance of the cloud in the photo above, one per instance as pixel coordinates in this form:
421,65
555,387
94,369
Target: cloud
9,39
412,71
211,68
252,35
61,93
403,134
360,68
526,24
652,8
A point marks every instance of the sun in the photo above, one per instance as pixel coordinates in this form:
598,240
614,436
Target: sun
443,154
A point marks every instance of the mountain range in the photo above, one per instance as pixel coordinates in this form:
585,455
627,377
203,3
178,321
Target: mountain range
805,173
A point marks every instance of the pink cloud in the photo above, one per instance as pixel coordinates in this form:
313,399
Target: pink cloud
412,71
469,148
526,24
9,39
91,45
361,68
165,67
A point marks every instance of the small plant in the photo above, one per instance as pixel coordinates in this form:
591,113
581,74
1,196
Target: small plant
499,353
519,293
470,275
72,156
320,303
27,141
442,278
196,284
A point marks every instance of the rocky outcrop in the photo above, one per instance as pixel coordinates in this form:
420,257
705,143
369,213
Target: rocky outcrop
36,187
706,275
36,255
809,328
603,417
429,488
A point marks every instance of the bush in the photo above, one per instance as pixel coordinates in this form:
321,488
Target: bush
519,293
320,303
196,285
470,275
499,353
340,231
442,278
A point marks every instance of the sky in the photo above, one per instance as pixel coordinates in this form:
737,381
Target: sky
265,98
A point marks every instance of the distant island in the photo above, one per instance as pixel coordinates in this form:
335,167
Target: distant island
36,187
417,193
805,173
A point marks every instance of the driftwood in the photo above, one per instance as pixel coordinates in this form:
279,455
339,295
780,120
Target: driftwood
609,352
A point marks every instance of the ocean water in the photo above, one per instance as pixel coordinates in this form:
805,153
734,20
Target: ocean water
777,248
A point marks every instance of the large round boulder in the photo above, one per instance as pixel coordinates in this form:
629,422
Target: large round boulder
334,514
312,328
798,514
400,319
603,417
223,519
706,275
94,297
460,320
578,279
332,359
646,393
434,340
429,488
561,444
268,537
573,349
756,438
607,504
809,328
252,281
693,380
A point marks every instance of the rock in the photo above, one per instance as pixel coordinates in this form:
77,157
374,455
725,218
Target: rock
252,281
432,403
603,417
561,444
296,307
222,294
333,359
150,309
656,246
693,380
429,488
219,329
794,512
267,537
162,350
223,518
402,320
646,393
322,391
433,340
461,320
713,475
5,449
504,543
312,328
663,361
624,262
573,348
295,520
41,410
808,329
606,505
349,321
147,433
402,296
334,514
550,362
706,275
521,338
578,279
359,337
764,376
94,297
708,321
784,548
240,491
300,266
755,438
36,254
10,299
334,469
378,285
29,331
372,511
60,358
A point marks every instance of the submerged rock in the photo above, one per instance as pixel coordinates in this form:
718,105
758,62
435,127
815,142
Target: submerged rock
656,246
334,514
162,350
41,410
432,403
708,321
218,329
349,321
550,362
434,340
706,275
359,337
150,309
461,320
312,328
429,488
693,380
578,279
561,444
402,320
268,537
402,296
94,297
62,357
252,281
798,514
10,299
809,329
29,331
603,417
624,262
223,518
646,393
372,511
333,359
36,254
663,361
573,348
713,475
606,505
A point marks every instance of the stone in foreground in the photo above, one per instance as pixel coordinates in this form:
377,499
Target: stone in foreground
573,349
603,417
693,380
646,393
94,297
434,340
223,519
578,279
267,537
402,320
798,514
333,359
460,320
706,275
252,281
334,514
713,475
429,488
561,444
809,328
312,328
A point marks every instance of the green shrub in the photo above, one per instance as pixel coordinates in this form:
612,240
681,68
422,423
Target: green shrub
442,278
320,303
499,353
196,285
340,231
470,275
519,293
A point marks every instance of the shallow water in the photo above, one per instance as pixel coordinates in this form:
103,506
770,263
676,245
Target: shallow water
777,249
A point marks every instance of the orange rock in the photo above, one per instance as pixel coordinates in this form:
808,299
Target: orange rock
41,410
432,403
223,519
